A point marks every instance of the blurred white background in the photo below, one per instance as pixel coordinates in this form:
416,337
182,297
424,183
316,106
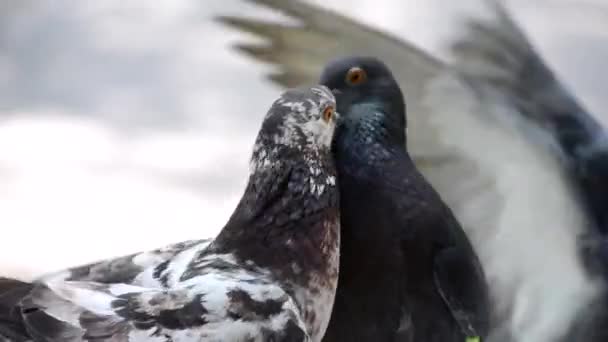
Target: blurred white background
127,125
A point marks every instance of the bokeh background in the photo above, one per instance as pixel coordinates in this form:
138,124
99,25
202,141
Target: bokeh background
127,124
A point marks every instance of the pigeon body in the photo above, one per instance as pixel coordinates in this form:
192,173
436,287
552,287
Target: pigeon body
270,274
408,271
483,129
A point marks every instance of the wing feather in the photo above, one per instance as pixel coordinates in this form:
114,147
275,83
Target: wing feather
126,269
215,306
76,311
301,51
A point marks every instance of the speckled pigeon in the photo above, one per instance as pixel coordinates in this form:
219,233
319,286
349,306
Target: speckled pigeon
270,274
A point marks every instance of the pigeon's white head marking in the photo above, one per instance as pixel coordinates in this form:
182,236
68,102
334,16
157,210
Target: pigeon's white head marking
307,113
302,120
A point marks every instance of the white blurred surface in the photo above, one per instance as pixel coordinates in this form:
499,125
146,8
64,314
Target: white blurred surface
126,125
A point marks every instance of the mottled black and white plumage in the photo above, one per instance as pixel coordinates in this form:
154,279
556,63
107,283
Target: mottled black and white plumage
507,147
270,275
408,271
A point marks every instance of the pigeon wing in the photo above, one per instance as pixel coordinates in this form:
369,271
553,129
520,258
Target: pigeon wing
125,269
80,311
213,308
462,285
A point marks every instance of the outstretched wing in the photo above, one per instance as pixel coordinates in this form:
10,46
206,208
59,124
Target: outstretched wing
300,52
499,62
487,161
514,73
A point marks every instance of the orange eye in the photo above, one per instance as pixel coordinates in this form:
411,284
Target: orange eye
328,113
356,76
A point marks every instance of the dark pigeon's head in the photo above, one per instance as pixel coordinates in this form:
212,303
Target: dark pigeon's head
368,98
299,125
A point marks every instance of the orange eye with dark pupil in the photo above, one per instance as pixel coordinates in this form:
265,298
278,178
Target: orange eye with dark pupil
328,113
356,76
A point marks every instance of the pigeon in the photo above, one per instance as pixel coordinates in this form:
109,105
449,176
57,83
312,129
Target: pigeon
408,270
269,275
482,130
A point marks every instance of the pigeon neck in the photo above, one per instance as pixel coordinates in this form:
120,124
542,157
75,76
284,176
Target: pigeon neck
368,140
287,220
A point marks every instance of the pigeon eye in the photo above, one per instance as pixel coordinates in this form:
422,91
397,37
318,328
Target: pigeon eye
328,113
356,76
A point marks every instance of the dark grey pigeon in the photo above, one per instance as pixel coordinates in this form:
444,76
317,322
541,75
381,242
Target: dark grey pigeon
491,130
408,271
270,275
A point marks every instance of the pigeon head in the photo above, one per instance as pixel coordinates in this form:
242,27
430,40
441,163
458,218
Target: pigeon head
300,124
291,197
368,97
